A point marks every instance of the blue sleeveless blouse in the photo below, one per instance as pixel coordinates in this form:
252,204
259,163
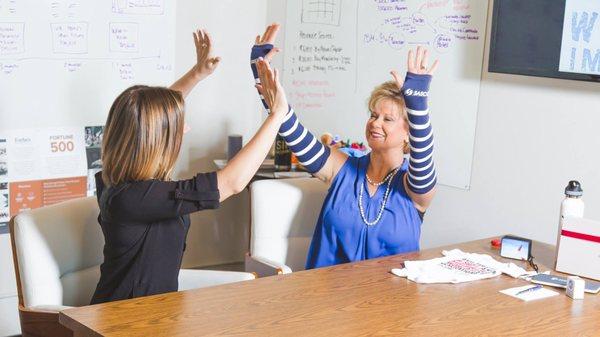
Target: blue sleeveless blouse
341,235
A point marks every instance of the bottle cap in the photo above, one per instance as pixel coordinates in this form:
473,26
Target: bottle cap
573,189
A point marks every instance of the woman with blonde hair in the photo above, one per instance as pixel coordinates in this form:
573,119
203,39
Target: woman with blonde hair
144,214
375,203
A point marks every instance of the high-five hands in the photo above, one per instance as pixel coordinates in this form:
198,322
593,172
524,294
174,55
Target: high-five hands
206,63
270,88
268,38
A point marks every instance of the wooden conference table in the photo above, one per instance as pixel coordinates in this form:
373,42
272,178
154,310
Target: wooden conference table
346,300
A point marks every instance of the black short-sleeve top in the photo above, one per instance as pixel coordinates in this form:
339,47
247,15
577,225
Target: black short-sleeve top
145,224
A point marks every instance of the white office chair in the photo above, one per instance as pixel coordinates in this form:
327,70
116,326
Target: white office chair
57,252
283,217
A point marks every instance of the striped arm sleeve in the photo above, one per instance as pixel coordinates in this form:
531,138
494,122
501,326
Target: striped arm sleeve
311,153
259,51
421,170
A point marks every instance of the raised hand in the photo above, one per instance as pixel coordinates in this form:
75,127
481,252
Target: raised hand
263,49
421,178
271,90
417,64
205,62
267,41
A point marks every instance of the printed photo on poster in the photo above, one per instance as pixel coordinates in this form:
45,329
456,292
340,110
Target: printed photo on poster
3,200
3,169
2,147
93,145
4,196
93,136
4,208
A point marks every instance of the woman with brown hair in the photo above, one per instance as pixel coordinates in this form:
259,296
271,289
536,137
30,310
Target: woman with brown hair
144,214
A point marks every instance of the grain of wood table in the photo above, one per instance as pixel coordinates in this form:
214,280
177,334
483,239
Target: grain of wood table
361,298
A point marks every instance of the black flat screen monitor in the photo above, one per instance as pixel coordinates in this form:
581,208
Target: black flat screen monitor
526,39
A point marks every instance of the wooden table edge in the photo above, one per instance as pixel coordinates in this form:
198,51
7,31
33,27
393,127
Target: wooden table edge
79,329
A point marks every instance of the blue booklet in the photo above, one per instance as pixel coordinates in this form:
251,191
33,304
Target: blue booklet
561,282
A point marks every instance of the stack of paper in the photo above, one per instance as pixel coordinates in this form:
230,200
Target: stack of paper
529,295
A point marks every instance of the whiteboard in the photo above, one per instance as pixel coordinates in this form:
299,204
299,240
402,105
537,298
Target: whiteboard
337,51
63,62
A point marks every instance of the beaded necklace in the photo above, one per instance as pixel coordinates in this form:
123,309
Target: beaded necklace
379,183
385,199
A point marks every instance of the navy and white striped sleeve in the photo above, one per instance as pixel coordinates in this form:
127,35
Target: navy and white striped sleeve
259,51
311,153
422,176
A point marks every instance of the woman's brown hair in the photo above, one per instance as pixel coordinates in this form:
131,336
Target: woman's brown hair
143,134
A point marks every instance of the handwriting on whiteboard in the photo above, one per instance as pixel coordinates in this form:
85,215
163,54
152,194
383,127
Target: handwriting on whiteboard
12,39
437,24
140,7
76,36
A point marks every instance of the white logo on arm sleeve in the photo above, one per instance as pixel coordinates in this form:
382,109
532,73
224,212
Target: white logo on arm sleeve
410,92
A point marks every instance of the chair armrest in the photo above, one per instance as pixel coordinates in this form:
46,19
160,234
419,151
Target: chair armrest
48,308
199,278
43,320
265,267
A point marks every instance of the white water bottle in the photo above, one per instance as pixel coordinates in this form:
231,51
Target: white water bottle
571,206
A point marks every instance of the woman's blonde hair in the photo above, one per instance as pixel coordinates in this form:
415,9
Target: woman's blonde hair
143,135
389,90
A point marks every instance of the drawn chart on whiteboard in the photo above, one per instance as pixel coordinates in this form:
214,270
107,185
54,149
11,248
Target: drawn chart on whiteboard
337,51
76,56
325,12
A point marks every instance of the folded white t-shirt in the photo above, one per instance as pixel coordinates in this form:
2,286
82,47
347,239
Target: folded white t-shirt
455,267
